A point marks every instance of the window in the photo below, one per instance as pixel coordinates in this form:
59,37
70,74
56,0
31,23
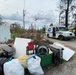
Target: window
57,29
62,28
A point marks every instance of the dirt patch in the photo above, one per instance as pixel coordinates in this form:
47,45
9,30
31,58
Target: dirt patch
67,68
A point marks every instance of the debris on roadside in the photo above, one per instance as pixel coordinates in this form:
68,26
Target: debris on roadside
23,61
20,45
13,67
8,51
24,54
67,52
57,54
34,66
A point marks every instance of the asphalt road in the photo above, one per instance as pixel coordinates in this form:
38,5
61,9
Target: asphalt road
71,43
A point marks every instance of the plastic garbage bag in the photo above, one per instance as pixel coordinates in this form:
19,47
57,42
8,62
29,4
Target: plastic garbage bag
0,70
2,61
13,68
34,65
23,61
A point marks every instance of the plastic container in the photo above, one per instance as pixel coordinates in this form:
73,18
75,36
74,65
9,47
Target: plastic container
46,59
30,48
31,45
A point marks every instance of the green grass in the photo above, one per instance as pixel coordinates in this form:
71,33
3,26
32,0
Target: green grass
74,38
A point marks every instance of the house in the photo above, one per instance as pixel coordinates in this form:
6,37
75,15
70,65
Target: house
5,34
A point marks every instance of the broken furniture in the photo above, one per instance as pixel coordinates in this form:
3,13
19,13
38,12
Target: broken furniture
7,51
67,52
57,54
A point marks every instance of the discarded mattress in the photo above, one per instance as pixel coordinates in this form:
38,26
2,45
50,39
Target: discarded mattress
67,52
20,45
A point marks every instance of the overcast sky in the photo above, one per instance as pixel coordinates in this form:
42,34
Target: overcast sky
44,10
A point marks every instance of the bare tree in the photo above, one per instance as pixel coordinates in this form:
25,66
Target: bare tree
1,20
67,4
73,7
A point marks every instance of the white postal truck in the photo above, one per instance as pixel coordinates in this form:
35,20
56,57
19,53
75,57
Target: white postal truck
59,32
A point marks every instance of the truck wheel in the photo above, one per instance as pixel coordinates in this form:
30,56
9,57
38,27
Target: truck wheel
69,39
48,35
61,37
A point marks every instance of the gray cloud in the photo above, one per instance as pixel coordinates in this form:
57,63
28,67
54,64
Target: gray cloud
43,18
27,21
14,16
46,17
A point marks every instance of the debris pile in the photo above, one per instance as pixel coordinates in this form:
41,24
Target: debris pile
26,55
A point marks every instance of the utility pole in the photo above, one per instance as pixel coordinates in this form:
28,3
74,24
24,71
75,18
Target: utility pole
24,15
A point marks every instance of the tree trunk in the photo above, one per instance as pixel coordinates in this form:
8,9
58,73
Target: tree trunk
66,19
75,24
67,12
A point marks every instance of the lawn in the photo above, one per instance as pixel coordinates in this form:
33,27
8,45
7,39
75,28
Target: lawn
74,38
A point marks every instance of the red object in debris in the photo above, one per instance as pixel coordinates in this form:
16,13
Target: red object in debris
30,45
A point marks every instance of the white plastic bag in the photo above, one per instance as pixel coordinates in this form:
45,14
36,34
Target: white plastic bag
13,68
34,65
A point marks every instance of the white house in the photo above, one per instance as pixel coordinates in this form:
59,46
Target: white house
5,33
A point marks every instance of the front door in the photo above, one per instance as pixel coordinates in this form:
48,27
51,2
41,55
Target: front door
54,32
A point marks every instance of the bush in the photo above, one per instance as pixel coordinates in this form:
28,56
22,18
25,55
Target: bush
14,35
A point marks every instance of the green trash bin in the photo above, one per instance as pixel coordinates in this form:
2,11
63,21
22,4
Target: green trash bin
46,59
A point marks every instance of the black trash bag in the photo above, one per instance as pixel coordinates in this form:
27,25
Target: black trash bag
42,50
0,70
2,61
